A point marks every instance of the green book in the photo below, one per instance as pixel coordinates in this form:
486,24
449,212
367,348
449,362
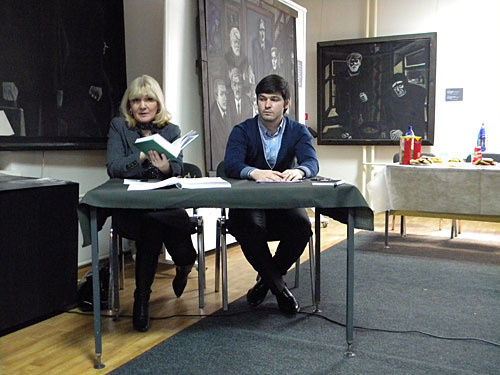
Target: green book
158,143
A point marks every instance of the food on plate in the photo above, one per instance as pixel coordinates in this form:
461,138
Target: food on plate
425,160
485,161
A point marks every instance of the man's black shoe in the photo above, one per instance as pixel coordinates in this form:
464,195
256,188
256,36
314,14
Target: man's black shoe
257,294
287,302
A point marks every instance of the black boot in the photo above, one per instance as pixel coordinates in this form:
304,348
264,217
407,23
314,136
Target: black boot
140,319
180,279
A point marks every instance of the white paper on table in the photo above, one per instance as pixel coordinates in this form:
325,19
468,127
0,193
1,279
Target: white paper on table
181,183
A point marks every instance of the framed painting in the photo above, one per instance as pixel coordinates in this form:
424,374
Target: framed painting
370,90
62,72
241,42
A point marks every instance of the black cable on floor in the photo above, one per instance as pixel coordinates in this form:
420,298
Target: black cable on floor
405,331
276,311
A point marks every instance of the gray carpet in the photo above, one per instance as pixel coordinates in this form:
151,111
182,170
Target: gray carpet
403,291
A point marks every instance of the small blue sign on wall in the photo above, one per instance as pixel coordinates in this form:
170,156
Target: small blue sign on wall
454,95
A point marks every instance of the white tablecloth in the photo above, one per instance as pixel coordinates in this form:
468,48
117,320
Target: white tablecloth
438,188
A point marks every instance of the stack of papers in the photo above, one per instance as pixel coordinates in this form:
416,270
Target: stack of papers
326,181
278,182
181,183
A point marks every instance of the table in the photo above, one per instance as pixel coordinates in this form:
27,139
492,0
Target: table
39,243
448,190
343,203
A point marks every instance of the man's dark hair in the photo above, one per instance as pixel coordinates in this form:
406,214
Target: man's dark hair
271,84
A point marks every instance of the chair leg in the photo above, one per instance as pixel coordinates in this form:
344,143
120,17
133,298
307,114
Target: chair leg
217,254
201,260
114,292
221,259
297,273
393,222
223,249
122,262
311,263
312,268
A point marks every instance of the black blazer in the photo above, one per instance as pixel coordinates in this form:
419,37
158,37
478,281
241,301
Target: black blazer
123,159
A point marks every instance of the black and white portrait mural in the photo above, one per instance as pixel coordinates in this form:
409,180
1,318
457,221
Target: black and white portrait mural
370,90
242,41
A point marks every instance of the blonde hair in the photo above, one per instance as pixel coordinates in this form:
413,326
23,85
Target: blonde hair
144,86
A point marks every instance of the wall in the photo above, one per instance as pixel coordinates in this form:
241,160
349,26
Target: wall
464,35
181,80
467,32
144,38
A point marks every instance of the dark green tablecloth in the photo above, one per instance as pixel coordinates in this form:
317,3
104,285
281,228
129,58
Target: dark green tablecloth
329,200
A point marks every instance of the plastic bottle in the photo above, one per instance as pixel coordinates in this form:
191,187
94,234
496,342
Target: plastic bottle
481,138
410,132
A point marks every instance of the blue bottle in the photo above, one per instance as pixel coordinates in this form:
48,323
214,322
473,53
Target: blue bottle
481,138
410,132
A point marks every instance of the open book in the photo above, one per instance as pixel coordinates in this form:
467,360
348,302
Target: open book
160,144
181,183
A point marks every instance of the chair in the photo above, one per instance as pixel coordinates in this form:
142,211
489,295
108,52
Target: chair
192,171
116,257
221,253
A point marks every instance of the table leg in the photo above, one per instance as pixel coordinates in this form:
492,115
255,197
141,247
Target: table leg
350,283
386,231
96,288
403,226
317,261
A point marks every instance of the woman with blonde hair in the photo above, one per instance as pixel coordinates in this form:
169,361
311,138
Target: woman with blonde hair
144,113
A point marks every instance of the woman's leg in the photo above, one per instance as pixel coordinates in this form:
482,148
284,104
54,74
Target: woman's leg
148,248
176,235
